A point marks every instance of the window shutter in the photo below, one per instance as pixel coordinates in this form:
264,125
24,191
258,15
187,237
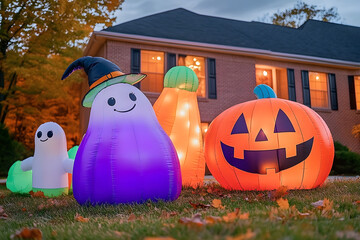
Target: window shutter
171,61
291,84
333,92
135,63
306,88
211,78
352,94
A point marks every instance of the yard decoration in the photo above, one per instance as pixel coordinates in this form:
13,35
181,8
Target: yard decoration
178,113
19,181
125,155
72,153
50,164
267,143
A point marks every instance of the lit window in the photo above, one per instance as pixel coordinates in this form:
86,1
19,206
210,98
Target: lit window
357,91
152,64
198,65
318,90
276,78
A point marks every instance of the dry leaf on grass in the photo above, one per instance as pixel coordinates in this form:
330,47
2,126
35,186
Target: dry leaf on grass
232,216
38,194
3,215
132,217
216,203
248,235
283,203
212,219
278,193
28,233
80,218
199,205
166,215
195,221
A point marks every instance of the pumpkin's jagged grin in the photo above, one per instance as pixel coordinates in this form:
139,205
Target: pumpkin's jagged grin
258,161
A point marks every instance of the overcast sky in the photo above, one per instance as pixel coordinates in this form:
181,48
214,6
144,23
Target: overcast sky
246,10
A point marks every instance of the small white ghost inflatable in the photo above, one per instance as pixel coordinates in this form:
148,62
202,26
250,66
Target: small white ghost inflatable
50,164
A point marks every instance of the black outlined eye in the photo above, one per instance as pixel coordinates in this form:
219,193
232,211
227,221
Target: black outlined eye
111,101
132,97
50,134
39,134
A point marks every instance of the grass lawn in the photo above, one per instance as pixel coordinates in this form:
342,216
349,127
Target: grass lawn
195,215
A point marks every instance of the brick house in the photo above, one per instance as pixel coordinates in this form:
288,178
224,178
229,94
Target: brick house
317,64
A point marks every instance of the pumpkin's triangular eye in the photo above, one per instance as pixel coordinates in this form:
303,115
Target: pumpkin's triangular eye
283,123
240,126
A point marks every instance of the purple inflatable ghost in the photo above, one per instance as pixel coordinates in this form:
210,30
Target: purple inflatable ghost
125,155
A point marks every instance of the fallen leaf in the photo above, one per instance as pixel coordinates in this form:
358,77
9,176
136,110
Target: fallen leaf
323,204
23,209
3,215
278,193
212,219
38,194
79,218
232,216
283,203
195,221
199,205
132,217
216,203
28,233
248,235
166,215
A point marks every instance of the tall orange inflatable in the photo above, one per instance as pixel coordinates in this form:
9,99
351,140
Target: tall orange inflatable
178,113
268,143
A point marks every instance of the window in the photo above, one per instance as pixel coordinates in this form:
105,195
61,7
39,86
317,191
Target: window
152,64
318,90
357,91
197,64
276,78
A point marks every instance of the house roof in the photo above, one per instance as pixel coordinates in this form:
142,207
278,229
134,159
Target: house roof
313,38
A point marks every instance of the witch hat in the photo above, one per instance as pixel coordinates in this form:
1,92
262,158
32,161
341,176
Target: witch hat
101,74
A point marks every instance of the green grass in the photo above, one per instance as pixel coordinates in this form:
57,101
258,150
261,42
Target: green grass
112,222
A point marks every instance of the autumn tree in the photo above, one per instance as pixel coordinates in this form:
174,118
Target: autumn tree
301,12
38,40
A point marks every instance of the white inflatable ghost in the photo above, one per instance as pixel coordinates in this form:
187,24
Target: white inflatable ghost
50,164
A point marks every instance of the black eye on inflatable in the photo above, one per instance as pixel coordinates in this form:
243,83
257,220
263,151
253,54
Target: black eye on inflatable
111,101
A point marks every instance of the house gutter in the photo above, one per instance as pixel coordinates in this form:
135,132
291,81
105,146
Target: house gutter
99,37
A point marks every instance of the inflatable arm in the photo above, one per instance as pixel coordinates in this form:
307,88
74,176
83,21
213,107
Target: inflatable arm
68,165
26,165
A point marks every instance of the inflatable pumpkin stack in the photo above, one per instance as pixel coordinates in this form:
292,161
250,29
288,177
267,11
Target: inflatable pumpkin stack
178,113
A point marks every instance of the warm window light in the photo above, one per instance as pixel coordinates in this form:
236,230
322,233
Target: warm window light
158,58
265,73
194,59
198,63
317,78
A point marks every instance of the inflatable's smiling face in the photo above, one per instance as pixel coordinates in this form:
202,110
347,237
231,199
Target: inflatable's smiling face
50,134
120,100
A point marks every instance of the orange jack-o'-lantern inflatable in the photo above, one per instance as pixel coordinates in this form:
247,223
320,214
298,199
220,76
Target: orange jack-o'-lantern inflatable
268,143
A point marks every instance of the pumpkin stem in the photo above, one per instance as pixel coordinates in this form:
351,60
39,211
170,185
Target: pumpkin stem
181,77
264,91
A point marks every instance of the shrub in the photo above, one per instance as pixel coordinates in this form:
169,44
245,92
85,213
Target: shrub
345,161
10,151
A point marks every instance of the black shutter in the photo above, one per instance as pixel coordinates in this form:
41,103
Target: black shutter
306,88
352,92
135,63
333,92
171,61
211,78
291,84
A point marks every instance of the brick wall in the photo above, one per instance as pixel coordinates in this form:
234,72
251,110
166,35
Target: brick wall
235,76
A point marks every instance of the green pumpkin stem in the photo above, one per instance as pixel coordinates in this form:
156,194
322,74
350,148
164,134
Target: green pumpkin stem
181,77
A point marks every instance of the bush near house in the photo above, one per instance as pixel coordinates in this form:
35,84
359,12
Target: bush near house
345,161
10,151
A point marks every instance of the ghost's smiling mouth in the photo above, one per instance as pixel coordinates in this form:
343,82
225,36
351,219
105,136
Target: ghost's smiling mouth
126,110
44,140
258,161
